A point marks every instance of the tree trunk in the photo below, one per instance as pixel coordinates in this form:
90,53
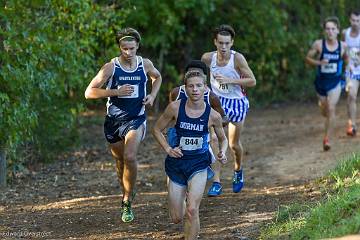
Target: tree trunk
2,167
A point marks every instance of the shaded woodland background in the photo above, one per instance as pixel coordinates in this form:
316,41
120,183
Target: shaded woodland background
50,50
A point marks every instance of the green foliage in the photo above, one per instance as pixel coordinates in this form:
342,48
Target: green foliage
51,50
273,35
336,215
49,53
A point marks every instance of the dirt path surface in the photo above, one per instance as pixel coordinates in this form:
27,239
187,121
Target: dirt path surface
78,197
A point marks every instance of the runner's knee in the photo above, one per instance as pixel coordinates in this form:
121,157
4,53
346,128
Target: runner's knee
331,108
352,97
192,212
176,217
116,152
235,146
129,158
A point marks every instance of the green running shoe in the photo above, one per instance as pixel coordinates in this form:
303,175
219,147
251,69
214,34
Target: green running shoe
127,214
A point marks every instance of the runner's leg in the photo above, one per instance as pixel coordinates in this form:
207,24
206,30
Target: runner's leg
196,187
176,200
235,129
216,166
132,142
333,98
117,151
351,102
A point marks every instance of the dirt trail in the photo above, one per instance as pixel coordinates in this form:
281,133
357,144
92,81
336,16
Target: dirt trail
78,197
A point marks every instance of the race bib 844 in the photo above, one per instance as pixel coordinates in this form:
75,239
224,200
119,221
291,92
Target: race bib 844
191,143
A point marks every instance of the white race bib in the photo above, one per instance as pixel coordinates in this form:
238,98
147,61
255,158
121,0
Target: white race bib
135,93
329,68
191,143
223,87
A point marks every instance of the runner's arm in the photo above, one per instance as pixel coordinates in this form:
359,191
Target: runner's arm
344,54
94,90
247,77
173,94
216,123
311,56
162,122
156,80
206,58
216,105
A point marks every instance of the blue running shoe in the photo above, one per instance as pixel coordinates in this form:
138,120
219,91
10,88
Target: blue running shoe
238,181
215,190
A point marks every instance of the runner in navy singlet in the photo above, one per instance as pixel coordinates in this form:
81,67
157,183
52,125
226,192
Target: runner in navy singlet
188,157
125,79
209,98
327,56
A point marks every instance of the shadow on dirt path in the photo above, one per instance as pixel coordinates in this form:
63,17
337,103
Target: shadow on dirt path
78,197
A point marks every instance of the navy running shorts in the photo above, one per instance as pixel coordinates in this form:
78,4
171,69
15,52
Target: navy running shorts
116,129
323,86
181,170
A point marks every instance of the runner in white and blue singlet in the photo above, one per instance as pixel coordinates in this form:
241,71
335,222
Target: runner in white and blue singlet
229,75
351,36
125,78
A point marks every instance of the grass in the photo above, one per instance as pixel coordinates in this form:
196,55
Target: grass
337,214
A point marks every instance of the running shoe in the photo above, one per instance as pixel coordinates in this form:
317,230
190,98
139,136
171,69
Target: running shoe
351,131
127,214
215,189
238,181
326,144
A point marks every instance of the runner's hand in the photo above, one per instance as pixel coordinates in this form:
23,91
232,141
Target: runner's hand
324,61
125,90
221,79
174,152
221,157
148,100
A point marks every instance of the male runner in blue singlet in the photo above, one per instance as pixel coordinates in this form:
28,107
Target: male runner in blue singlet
125,78
210,98
188,157
327,56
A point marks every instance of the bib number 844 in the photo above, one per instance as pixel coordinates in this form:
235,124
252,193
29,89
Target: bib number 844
191,143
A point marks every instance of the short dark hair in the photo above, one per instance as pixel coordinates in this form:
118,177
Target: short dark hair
128,34
196,64
355,12
225,30
332,19
194,73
